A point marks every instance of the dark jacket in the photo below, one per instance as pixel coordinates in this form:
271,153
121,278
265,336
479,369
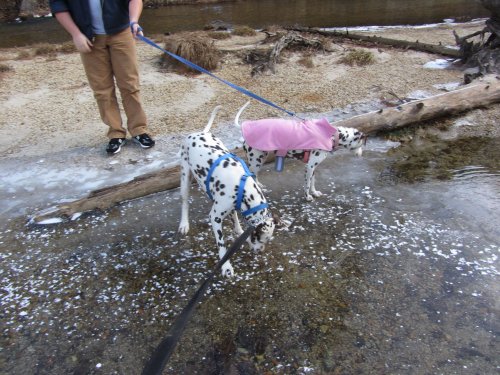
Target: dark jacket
114,13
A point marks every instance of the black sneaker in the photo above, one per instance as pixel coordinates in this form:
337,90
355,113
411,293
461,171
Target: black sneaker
115,145
144,140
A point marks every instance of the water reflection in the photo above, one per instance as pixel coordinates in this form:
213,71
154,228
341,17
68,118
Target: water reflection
444,160
321,13
473,171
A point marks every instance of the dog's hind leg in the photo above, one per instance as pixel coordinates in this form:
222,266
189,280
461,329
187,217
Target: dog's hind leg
315,159
185,186
256,158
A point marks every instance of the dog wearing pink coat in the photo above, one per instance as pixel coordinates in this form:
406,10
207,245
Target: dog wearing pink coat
307,140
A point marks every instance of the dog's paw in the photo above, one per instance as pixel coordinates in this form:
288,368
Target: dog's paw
227,270
317,194
183,228
309,198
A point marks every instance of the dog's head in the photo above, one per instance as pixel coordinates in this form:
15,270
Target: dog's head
352,139
263,233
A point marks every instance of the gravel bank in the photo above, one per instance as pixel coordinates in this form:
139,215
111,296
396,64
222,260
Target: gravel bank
47,106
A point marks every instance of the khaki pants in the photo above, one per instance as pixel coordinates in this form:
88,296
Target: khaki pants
113,57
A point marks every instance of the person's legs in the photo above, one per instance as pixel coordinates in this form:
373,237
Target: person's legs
99,70
126,70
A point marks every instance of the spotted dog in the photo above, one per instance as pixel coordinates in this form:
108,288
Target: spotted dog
229,184
348,138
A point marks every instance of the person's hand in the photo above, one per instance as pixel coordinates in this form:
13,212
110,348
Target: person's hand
136,29
82,43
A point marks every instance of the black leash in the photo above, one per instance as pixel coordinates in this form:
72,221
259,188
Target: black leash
164,350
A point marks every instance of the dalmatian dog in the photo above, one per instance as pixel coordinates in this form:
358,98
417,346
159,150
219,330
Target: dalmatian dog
229,184
318,139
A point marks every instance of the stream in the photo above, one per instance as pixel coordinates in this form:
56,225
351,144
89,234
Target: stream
394,270
264,13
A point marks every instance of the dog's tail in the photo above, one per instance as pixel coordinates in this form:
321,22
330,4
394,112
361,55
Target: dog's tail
237,118
211,120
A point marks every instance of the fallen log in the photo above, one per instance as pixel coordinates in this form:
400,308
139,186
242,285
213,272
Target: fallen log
477,94
423,47
102,199
107,197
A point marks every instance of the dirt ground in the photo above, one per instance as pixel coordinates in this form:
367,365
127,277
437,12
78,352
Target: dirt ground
47,106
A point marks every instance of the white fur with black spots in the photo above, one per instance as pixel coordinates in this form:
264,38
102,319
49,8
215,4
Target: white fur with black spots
198,152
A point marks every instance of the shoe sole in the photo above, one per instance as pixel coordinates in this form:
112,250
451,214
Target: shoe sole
140,144
117,151
114,152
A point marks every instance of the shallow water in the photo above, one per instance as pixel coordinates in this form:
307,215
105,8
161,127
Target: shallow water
384,274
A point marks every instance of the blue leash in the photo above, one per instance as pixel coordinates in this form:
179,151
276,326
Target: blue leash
203,70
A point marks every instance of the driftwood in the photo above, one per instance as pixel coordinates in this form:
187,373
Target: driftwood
290,39
477,94
424,47
482,55
164,179
102,199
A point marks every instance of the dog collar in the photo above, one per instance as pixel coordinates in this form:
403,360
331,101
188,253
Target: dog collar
254,209
335,138
258,220
241,190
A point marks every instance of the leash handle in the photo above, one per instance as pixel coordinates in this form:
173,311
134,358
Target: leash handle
164,350
203,70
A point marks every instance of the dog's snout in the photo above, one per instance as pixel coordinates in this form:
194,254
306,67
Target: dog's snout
257,247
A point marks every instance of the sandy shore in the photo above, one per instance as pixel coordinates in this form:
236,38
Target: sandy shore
47,106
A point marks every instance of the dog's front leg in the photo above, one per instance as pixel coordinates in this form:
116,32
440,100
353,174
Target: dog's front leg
216,218
315,159
237,230
185,186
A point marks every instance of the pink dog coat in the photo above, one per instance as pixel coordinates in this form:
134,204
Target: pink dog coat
282,135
